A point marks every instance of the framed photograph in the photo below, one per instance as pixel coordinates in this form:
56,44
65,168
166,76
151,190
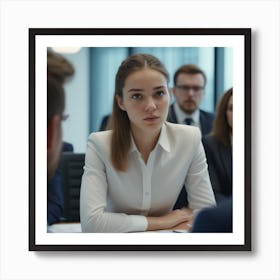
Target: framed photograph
225,56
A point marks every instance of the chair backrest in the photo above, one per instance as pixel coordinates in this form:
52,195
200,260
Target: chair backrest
71,171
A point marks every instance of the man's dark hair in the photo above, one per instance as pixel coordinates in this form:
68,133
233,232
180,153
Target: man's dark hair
58,71
190,69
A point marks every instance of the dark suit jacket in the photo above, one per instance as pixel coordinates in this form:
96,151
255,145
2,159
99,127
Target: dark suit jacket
205,118
219,159
206,121
215,219
55,197
104,122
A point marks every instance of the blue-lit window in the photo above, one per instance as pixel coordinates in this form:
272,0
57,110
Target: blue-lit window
103,63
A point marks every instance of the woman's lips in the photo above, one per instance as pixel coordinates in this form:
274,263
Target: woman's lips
151,119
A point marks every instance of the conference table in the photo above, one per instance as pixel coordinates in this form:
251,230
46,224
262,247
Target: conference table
65,227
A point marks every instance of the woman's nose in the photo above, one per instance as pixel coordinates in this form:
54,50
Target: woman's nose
151,105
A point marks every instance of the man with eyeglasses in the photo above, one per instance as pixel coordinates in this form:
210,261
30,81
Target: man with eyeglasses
59,70
189,84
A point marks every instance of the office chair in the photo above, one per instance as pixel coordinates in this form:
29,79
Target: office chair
71,171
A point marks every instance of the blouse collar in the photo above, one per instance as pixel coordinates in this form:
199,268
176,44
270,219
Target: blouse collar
163,140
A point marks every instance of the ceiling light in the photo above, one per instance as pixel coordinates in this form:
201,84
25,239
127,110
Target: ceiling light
66,49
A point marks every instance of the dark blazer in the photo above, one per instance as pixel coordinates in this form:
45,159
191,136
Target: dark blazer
55,197
206,121
205,118
219,159
104,123
215,219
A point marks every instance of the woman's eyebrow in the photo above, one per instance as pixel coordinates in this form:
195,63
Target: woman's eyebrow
158,87
139,89
135,89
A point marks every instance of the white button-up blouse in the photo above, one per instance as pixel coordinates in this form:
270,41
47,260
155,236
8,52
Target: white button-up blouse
114,201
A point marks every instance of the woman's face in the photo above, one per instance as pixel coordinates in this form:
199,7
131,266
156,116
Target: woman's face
145,99
229,112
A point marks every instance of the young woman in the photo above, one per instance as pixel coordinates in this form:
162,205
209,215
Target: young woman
133,173
218,148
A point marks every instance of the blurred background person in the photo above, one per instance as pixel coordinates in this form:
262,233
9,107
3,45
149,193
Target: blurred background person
188,90
59,70
218,148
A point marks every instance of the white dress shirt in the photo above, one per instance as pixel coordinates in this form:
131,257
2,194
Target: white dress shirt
181,115
113,201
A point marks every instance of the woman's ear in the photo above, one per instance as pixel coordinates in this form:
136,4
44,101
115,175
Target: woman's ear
52,131
120,102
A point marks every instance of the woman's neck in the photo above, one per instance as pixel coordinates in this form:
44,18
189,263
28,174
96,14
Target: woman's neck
145,142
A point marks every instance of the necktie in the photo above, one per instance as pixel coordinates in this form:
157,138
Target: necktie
189,121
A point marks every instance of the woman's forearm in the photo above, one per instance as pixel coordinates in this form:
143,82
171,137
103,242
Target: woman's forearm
169,220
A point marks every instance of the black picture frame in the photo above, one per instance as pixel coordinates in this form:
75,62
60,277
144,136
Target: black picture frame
35,33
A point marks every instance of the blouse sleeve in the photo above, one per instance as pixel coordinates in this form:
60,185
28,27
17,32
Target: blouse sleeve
93,197
198,185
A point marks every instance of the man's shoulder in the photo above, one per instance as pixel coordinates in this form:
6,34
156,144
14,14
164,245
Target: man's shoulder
171,117
206,114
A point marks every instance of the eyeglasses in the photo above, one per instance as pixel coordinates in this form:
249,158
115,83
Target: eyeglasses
184,88
64,117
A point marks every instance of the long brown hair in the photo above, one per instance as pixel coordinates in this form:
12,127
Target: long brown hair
119,121
221,129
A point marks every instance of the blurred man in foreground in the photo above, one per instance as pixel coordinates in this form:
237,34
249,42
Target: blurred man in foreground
59,70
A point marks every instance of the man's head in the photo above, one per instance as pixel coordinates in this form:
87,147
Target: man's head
58,71
189,84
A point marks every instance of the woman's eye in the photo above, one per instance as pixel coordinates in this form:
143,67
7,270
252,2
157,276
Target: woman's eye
160,93
136,96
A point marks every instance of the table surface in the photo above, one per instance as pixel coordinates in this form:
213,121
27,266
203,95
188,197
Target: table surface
76,228
65,227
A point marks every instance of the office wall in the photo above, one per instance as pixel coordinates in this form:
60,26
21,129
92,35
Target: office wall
104,63
76,127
